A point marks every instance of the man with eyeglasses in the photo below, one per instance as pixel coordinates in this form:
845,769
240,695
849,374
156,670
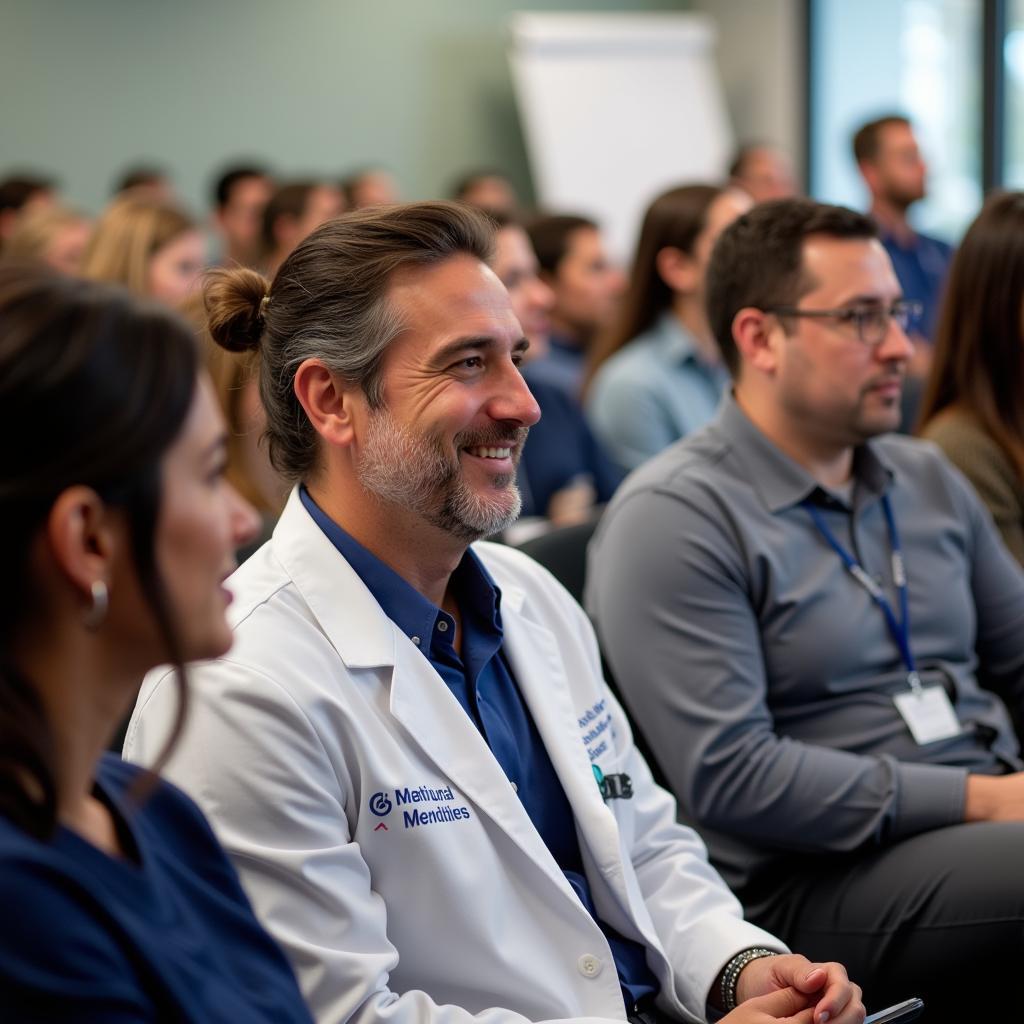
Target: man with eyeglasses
810,623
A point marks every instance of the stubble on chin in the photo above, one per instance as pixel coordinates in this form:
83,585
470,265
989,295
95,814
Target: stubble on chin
422,475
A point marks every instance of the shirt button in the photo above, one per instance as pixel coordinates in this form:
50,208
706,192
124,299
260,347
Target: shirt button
589,965
416,640
443,626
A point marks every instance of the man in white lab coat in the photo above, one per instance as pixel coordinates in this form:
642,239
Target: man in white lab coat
432,798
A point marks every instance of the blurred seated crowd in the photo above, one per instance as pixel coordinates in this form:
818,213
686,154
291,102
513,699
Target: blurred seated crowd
288,463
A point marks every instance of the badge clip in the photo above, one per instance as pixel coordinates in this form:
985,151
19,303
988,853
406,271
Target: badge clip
613,787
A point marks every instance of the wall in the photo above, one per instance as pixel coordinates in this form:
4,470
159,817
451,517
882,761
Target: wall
317,86
762,63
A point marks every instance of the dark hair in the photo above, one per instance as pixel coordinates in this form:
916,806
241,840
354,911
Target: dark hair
550,237
94,387
758,260
979,345
329,300
17,189
675,219
288,200
230,177
142,174
867,140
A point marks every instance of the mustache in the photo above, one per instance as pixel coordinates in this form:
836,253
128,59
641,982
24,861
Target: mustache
496,437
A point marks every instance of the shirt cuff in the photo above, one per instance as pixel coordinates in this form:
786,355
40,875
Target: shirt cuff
930,796
722,937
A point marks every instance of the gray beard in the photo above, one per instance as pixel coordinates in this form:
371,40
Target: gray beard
415,473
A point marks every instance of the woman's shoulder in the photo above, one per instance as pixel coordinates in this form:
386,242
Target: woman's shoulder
956,428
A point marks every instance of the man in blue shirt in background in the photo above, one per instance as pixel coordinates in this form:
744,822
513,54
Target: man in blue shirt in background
890,162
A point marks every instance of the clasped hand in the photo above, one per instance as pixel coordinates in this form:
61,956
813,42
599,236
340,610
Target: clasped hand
791,990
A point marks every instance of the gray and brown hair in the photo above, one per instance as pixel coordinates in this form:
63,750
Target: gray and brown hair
329,301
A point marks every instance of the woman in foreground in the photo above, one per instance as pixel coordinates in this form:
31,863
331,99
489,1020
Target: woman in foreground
119,904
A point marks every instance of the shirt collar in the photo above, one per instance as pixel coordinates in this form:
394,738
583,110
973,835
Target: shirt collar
476,592
905,243
674,339
677,343
779,480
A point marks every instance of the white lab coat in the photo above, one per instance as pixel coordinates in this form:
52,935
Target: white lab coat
324,713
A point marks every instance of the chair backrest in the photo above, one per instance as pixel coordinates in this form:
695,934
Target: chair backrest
563,552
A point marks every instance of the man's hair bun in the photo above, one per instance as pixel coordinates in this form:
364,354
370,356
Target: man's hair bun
235,307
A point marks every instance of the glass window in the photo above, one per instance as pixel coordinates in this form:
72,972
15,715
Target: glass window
921,58
1013,57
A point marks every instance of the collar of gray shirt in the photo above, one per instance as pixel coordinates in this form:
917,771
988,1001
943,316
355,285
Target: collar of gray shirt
780,481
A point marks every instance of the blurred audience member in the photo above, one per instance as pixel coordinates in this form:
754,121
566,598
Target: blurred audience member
895,174
563,474
240,196
118,534
372,186
52,236
587,286
149,246
763,172
147,182
22,193
972,406
294,210
236,384
816,625
657,374
487,190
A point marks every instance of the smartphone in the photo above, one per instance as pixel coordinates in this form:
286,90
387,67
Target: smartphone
906,1011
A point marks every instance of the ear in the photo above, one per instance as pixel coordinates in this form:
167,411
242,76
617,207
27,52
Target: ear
84,538
328,401
677,269
757,335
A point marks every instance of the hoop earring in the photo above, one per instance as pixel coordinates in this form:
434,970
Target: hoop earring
100,604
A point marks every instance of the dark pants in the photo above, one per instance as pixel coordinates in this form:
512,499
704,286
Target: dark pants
940,916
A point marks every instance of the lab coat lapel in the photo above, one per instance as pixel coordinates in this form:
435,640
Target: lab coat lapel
439,725
420,701
540,673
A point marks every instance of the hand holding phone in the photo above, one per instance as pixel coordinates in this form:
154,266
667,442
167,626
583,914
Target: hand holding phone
898,1014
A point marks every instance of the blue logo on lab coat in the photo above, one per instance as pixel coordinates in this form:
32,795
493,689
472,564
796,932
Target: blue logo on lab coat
380,804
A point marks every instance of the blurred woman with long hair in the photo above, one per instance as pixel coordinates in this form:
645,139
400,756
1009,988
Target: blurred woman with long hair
657,375
119,532
149,246
973,406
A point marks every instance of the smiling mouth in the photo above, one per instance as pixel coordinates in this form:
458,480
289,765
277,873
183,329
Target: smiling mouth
490,453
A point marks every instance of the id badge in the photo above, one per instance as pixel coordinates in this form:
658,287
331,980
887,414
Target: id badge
929,714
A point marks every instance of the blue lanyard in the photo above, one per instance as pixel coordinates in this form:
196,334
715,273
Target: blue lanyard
899,629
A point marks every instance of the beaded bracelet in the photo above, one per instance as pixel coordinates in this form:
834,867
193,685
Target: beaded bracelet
733,969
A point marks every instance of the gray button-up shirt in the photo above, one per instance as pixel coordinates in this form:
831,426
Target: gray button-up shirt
763,674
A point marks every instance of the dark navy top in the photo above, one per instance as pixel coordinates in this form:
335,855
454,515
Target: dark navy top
482,681
559,449
921,268
563,365
166,934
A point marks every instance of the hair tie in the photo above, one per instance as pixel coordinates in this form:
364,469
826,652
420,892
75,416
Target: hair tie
264,302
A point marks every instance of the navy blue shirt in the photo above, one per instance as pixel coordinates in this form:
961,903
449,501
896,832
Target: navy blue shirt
559,449
921,267
483,684
563,365
165,934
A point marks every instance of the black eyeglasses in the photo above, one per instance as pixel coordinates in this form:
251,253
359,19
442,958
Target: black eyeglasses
870,322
